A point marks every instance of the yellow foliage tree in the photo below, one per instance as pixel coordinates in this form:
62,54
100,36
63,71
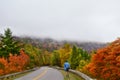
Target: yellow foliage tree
64,53
35,55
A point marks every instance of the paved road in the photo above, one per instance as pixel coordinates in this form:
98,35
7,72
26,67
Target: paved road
44,73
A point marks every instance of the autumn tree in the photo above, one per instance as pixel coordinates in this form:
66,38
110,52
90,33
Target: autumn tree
15,63
56,59
74,57
35,55
8,44
84,58
105,64
64,52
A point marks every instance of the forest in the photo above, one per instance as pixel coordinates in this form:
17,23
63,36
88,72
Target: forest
98,60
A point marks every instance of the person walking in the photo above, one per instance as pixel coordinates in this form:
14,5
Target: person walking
66,68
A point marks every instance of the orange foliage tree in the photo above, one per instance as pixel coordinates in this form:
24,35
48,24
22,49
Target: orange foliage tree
105,64
14,63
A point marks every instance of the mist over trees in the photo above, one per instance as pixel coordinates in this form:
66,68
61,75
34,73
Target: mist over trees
51,44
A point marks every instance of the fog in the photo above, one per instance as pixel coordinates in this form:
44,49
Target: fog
80,20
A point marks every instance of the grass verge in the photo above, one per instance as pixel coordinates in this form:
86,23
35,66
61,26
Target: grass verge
71,75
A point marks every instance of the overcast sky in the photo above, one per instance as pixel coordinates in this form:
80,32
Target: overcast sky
80,20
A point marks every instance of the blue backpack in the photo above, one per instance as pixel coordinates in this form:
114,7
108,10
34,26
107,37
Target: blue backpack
66,65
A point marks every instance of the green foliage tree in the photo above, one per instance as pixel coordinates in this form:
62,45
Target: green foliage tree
84,58
79,58
56,59
35,55
74,58
84,54
8,44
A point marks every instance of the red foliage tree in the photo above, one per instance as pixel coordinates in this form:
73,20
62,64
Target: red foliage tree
105,64
14,63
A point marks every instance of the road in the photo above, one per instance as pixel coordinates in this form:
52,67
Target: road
44,73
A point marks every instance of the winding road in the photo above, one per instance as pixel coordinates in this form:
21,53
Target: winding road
44,73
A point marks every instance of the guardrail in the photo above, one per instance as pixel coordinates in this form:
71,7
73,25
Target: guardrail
84,76
14,74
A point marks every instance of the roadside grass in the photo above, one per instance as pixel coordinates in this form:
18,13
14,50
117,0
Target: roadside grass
71,75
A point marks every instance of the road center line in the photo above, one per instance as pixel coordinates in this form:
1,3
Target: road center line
40,75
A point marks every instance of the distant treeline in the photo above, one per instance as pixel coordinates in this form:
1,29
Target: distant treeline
50,44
